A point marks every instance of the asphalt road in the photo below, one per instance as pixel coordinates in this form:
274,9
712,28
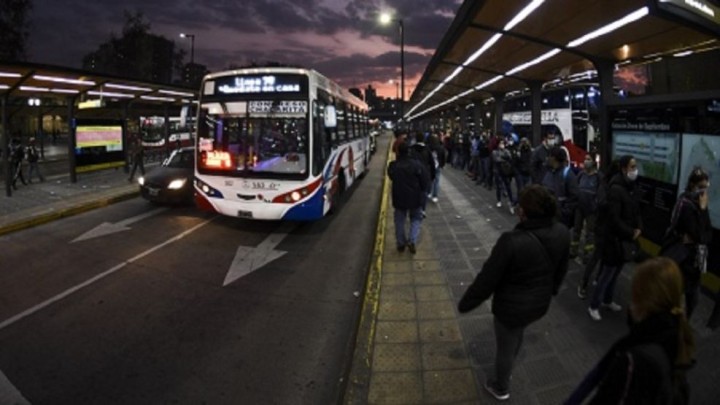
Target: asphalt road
141,316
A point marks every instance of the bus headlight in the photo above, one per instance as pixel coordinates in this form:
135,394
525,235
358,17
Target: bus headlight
295,196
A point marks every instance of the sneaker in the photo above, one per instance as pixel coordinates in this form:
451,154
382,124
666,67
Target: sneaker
411,246
581,292
512,210
424,215
594,314
401,248
499,204
499,395
613,307
435,199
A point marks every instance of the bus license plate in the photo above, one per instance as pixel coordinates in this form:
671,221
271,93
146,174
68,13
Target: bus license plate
245,214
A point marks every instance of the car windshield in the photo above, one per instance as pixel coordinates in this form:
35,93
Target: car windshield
181,159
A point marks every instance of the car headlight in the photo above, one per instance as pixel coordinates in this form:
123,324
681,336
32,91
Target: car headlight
176,184
141,181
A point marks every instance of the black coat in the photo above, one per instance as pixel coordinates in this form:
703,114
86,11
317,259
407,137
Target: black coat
520,274
623,217
422,153
410,182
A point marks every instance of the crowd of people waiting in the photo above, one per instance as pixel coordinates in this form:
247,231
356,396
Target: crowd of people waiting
601,215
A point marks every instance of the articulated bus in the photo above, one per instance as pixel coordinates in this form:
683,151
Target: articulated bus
569,112
277,143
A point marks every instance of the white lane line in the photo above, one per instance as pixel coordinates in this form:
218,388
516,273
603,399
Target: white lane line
9,394
100,276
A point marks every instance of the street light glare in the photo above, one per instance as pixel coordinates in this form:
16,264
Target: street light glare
182,35
385,18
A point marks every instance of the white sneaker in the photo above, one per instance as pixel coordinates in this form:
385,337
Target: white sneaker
613,307
512,210
499,204
434,199
594,314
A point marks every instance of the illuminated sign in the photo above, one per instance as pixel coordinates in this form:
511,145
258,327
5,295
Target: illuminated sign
260,84
701,12
282,107
95,103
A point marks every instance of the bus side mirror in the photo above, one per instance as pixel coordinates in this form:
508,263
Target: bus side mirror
330,116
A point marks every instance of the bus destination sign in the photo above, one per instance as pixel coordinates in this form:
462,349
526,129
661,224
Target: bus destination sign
260,84
282,107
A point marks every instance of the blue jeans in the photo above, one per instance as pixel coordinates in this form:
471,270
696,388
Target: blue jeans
435,188
605,288
503,184
521,180
415,221
508,342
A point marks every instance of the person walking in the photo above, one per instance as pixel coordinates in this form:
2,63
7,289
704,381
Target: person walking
540,157
525,269
522,159
421,152
17,154
692,231
560,180
138,157
504,172
649,364
410,182
33,157
586,212
623,225
437,150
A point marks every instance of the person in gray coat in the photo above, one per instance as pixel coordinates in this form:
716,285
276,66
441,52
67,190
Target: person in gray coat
525,269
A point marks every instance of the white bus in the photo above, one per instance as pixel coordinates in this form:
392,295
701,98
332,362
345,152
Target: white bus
277,143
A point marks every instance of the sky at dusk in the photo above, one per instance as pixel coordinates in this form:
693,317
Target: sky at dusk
342,39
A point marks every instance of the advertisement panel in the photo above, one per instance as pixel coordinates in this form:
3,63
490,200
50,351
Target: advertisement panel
98,145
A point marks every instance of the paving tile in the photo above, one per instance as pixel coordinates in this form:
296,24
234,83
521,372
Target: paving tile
455,262
428,278
546,372
427,310
400,266
439,331
449,386
395,388
397,293
396,357
396,332
553,396
443,356
426,265
397,311
432,293
397,279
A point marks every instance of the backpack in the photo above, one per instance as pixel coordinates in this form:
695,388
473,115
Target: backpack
18,154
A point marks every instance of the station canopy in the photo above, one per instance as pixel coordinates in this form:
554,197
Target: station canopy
500,47
33,80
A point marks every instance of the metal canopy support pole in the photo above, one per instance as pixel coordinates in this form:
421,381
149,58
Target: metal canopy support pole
166,113
71,139
606,71
125,137
499,98
536,111
6,147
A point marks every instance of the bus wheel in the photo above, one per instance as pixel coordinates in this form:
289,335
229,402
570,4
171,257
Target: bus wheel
337,194
365,166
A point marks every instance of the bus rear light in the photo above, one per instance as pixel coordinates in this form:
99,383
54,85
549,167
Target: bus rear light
216,160
297,194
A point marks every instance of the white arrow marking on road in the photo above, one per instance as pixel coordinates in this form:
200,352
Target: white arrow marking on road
249,259
106,228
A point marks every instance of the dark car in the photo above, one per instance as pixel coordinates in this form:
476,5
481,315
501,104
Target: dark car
171,182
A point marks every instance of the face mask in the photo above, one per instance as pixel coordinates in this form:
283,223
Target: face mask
632,175
588,165
501,146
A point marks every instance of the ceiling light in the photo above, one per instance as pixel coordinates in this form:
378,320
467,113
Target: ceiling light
683,54
110,94
176,93
33,88
153,98
126,87
523,14
10,74
64,91
63,80
535,61
634,16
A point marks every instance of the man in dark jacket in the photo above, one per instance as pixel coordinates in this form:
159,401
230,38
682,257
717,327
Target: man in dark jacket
410,182
524,270
562,183
422,153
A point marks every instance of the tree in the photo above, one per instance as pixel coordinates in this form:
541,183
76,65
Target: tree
137,54
14,29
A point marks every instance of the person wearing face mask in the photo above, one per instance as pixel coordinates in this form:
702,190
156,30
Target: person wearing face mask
561,181
540,156
522,158
525,269
690,224
585,214
649,364
504,172
622,224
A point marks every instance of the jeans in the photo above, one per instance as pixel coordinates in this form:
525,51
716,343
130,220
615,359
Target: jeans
415,221
605,288
508,341
33,167
435,188
485,176
521,180
592,262
589,221
503,184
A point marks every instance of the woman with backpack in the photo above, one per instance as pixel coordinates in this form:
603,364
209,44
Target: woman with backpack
691,233
649,364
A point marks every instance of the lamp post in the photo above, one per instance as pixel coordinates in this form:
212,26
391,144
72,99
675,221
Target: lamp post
386,19
397,88
192,45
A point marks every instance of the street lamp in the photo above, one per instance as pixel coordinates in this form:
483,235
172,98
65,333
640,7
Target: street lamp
397,88
385,19
192,45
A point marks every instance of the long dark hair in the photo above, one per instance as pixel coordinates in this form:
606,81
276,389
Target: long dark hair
696,176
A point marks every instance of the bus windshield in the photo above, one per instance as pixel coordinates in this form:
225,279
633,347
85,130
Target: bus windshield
245,146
